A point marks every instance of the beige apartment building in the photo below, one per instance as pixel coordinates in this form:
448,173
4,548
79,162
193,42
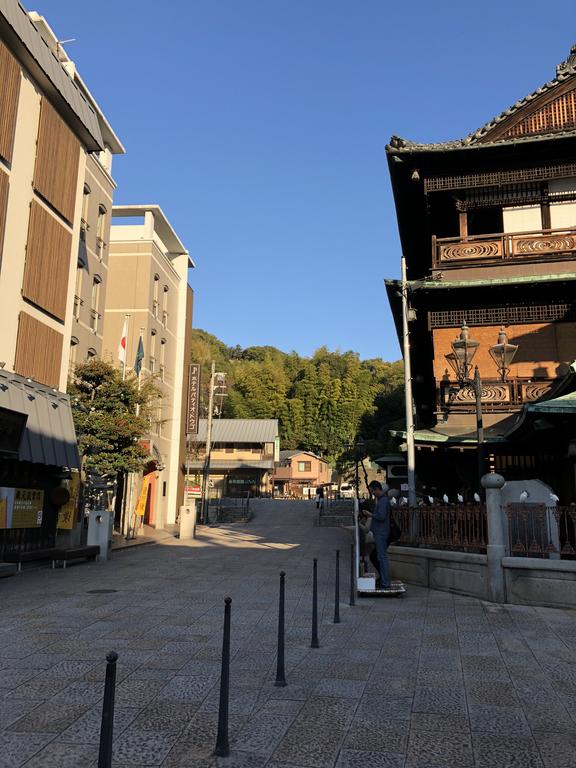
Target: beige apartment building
299,473
148,290
55,152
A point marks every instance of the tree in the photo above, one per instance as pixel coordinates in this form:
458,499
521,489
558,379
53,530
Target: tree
104,412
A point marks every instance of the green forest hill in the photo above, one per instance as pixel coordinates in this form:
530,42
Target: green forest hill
322,402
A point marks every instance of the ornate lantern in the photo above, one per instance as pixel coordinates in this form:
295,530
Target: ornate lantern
503,353
463,351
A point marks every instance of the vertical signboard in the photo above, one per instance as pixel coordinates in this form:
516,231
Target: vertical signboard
21,507
67,512
193,399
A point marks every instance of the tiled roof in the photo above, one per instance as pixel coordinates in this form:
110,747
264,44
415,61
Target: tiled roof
564,71
239,431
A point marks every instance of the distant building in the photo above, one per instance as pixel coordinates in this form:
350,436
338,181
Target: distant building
488,227
148,290
299,473
242,458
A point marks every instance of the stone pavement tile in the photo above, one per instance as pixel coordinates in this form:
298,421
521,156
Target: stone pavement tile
328,686
274,706
137,693
17,748
169,716
435,677
439,749
440,700
425,721
143,747
491,751
242,700
558,750
550,716
325,709
12,678
74,670
473,663
497,693
357,758
49,718
395,686
13,709
263,733
86,730
501,720
389,737
81,692
380,709
57,755
202,729
98,672
311,745
187,688
202,667
39,688
168,660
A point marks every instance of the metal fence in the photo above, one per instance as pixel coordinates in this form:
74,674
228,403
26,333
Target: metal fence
456,527
536,530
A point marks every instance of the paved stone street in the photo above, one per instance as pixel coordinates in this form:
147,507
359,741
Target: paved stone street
428,680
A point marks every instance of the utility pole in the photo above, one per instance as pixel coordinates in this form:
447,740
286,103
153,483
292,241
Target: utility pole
204,500
411,456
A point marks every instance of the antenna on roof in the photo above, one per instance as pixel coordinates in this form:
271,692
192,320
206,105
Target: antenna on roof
60,43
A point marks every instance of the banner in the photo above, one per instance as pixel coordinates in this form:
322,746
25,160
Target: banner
193,399
140,510
21,507
67,512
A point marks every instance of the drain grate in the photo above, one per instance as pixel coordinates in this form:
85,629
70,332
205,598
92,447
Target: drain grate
101,591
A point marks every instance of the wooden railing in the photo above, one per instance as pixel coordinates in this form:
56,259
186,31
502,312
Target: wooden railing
496,394
539,244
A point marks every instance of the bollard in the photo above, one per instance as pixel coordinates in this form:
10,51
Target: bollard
337,590
280,674
222,747
315,643
352,579
107,727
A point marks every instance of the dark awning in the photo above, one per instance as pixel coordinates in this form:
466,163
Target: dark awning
49,436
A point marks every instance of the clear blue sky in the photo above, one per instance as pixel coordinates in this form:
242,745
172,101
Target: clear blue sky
259,126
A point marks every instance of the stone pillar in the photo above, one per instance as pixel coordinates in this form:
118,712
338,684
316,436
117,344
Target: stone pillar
497,536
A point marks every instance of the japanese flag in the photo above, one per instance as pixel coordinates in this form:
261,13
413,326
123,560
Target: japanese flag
123,342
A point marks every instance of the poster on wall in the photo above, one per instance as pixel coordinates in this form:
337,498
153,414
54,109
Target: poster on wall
67,512
142,499
21,507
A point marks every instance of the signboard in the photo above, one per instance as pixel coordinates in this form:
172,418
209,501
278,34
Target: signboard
193,491
67,512
21,507
193,399
143,498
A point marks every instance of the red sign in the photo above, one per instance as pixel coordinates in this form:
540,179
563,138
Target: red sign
193,490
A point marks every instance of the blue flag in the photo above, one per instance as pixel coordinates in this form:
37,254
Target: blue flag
139,357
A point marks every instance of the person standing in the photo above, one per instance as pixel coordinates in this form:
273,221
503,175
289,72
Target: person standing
320,497
381,529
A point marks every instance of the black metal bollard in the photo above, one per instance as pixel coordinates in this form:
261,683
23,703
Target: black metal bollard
107,727
222,747
315,643
280,673
352,576
337,590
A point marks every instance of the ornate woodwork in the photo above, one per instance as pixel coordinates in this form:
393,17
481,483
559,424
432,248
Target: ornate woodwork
499,178
497,248
38,351
496,315
496,395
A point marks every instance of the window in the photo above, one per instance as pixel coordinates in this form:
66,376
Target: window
73,355
155,295
152,350
164,488
304,466
90,354
101,231
165,307
162,358
85,212
77,291
95,303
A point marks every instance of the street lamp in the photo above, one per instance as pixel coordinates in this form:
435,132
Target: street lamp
359,448
463,350
503,353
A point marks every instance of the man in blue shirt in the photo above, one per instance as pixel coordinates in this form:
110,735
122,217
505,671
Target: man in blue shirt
381,530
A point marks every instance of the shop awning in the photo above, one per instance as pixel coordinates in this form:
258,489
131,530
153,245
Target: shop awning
231,464
48,435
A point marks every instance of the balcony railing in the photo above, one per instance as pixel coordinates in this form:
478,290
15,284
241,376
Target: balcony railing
541,244
496,395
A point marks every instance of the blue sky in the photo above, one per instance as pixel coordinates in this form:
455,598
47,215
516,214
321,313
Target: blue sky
259,126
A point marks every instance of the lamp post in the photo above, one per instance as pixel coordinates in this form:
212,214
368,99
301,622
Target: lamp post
460,359
358,454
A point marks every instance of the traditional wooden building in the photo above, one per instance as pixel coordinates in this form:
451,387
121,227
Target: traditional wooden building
488,230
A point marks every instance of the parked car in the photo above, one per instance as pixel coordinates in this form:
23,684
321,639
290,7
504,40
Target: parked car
346,492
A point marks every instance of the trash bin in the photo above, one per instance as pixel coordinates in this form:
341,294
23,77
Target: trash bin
188,521
100,526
